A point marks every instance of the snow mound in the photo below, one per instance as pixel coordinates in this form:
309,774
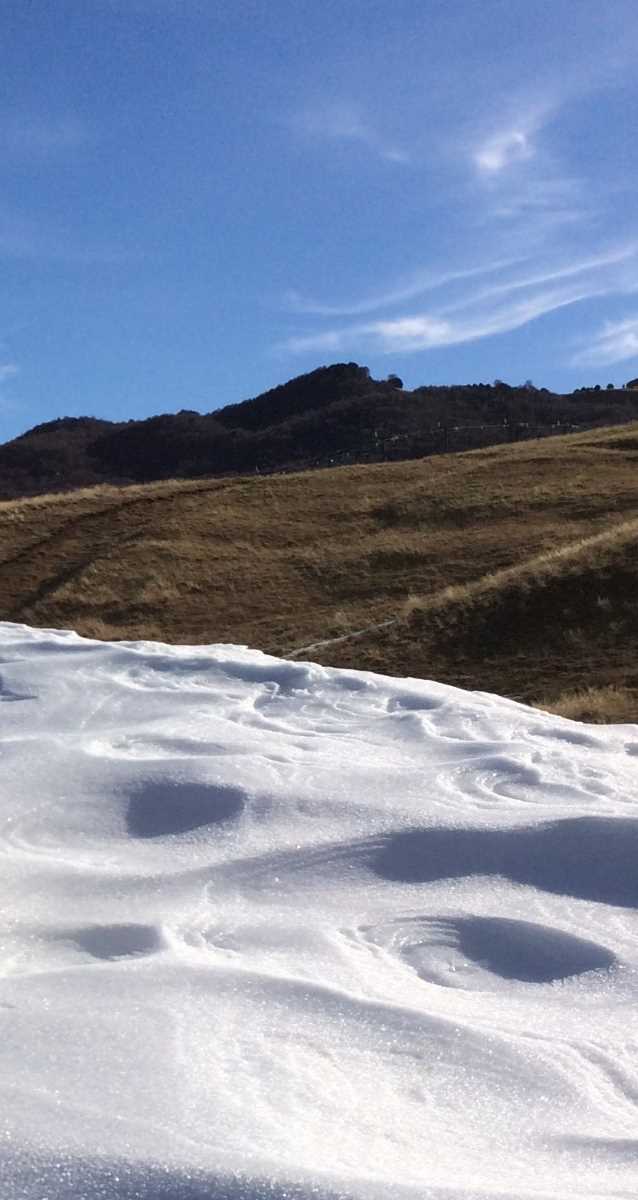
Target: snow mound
272,931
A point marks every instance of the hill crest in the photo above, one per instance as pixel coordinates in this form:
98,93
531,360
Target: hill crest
334,415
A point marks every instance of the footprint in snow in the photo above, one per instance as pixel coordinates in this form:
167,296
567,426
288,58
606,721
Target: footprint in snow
519,950
116,941
7,694
464,951
592,858
163,809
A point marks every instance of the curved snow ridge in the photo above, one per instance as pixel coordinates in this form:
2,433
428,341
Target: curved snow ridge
272,929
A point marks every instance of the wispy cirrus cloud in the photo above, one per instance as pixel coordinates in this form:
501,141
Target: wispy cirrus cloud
595,268
419,284
538,208
509,176
340,121
8,370
616,341
426,331
503,149
519,178
482,312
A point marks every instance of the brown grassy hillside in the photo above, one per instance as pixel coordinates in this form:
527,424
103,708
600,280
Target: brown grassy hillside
284,561
559,630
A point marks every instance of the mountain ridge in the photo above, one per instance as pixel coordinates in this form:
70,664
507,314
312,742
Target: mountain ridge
337,414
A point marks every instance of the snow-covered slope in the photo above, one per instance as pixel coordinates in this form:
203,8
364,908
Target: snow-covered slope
275,930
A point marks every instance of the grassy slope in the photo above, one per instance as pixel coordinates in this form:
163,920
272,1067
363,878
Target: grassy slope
559,630
282,561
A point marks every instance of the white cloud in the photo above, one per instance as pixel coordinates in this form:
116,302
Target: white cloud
340,121
485,311
617,341
393,154
425,332
420,283
8,371
502,150
522,204
420,332
524,184
589,266
332,340
344,122
542,206
511,136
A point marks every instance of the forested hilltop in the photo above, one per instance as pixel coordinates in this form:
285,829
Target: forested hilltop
335,414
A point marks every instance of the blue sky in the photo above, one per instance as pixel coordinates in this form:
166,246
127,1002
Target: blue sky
203,198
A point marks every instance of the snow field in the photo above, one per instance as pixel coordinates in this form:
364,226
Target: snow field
276,930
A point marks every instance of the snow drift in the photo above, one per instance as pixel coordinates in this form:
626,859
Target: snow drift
275,930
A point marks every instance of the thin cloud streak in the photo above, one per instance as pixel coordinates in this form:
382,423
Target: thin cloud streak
617,341
406,336
8,371
486,312
342,122
613,258
542,205
428,331
523,201
419,286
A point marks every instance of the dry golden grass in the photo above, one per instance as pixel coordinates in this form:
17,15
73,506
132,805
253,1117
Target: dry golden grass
554,630
281,562
598,705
